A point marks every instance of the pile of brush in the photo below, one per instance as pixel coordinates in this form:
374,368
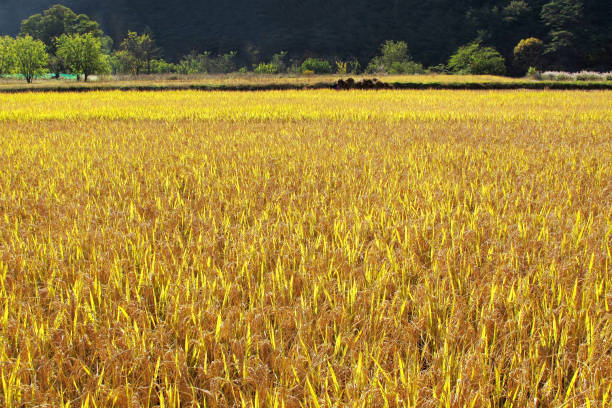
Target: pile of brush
363,84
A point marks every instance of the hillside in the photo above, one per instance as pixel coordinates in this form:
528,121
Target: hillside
346,29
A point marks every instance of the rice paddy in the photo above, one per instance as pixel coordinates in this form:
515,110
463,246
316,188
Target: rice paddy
306,249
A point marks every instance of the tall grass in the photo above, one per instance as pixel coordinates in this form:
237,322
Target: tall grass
315,249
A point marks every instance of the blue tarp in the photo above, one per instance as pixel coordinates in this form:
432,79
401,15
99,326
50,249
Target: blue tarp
45,76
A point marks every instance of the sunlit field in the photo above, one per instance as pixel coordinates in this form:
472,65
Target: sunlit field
306,249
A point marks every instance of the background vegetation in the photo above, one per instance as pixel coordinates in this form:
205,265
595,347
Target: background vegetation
576,34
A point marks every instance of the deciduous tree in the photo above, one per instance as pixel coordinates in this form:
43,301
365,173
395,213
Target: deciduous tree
528,53
55,22
141,50
7,55
563,18
82,54
31,57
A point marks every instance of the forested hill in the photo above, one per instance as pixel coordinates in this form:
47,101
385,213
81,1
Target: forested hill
433,29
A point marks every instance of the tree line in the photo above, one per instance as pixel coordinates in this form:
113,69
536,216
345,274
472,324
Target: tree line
59,40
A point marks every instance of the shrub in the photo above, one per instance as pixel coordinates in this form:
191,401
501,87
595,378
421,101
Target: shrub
348,67
190,64
278,60
354,67
477,60
266,68
588,76
533,73
438,69
406,67
205,63
160,66
577,76
275,66
317,66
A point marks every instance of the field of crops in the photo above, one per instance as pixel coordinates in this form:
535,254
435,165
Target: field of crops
306,249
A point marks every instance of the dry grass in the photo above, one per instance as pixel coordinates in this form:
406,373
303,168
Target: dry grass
257,79
315,249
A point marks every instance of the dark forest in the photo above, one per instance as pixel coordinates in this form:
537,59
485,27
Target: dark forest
578,35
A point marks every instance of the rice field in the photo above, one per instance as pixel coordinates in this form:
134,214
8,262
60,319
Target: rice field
306,249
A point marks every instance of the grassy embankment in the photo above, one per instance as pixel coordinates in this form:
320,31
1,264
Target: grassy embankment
244,82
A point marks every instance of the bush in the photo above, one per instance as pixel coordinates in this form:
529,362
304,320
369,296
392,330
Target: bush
160,66
278,59
589,76
190,64
477,60
317,66
266,68
406,67
275,66
437,69
577,76
205,63
533,73
354,67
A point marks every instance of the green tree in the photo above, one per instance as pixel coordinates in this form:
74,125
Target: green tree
8,57
561,14
122,62
394,59
140,50
515,10
82,54
31,57
55,22
528,53
563,17
477,60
